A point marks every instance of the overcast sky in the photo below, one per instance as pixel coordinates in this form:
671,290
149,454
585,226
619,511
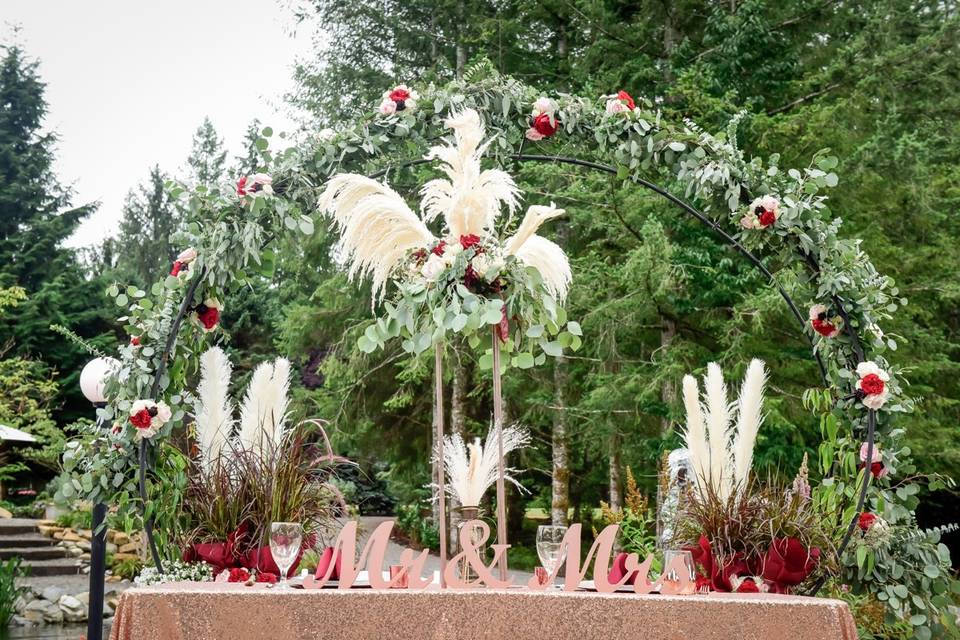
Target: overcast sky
129,82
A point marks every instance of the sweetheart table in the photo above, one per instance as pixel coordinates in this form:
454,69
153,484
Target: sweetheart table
209,611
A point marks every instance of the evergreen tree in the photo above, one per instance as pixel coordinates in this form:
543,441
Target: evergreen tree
149,219
207,161
35,220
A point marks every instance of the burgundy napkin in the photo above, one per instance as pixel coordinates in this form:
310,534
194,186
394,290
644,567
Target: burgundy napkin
324,562
619,570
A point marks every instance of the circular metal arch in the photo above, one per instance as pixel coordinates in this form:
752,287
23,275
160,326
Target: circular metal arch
144,462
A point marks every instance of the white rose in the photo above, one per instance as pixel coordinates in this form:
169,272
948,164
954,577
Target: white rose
163,414
326,135
542,105
388,107
866,368
876,401
481,265
432,268
615,106
816,310
187,255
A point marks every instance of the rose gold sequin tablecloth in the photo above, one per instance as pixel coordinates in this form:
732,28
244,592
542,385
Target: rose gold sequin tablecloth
234,612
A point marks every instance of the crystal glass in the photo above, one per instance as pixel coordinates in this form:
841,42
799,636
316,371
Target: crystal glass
285,538
672,578
549,547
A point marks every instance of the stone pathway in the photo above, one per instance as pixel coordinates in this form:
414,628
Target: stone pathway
56,590
20,537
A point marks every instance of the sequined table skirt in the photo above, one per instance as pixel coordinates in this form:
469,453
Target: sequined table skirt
208,611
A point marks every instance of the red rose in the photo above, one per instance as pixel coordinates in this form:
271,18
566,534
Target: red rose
709,569
871,384
440,248
141,419
399,95
824,327
177,268
242,186
470,277
545,125
767,218
208,316
788,563
135,341
876,469
239,574
626,99
866,521
748,586
469,240
270,578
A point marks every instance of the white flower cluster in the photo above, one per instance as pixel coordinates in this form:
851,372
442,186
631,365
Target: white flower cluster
176,571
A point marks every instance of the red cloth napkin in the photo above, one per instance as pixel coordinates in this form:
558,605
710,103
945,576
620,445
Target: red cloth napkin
619,570
324,562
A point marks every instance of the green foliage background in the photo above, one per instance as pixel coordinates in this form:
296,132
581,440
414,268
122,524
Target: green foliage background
878,81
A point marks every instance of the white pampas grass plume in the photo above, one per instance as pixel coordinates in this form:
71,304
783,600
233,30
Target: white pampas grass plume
535,216
550,260
470,199
263,413
718,430
377,228
213,411
749,419
695,434
721,454
472,468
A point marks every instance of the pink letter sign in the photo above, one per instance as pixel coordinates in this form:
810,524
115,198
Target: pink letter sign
412,563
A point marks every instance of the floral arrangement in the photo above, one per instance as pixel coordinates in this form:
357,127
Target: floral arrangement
250,472
470,279
544,123
744,536
400,98
472,468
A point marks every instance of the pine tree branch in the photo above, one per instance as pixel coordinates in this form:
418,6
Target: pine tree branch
806,98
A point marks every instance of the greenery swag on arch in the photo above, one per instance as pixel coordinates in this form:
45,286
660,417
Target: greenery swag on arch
231,229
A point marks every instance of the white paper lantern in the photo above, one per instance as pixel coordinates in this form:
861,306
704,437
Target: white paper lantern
94,376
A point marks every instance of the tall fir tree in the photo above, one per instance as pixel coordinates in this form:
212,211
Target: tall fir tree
35,220
207,162
149,218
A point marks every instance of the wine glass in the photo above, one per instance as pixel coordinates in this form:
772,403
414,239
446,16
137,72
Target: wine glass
285,540
672,578
550,548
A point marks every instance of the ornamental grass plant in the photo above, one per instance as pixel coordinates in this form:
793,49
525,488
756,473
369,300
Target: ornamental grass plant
743,527
238,496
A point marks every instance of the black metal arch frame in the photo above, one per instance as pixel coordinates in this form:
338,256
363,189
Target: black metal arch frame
810,261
